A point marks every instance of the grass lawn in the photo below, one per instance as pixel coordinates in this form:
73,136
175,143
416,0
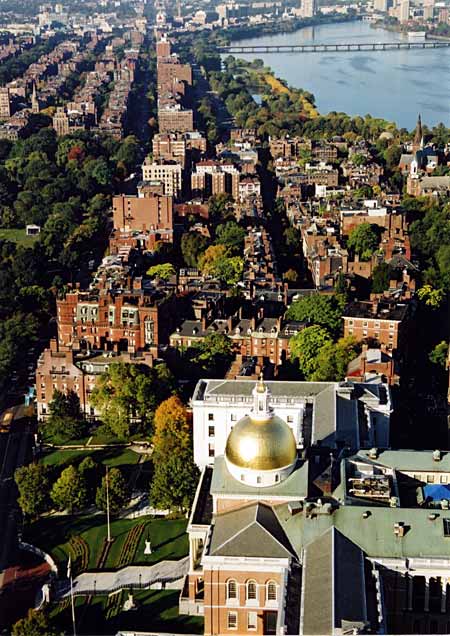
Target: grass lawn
117,456
18,236
156,611
52,534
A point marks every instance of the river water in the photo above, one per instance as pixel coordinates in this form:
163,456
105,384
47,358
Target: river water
395,85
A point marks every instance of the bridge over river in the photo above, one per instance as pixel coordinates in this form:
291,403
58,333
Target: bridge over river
333,48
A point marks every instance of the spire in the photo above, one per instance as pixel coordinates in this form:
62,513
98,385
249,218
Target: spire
418,137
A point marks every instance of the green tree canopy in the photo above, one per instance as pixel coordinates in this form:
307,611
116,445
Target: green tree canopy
305,347
364,240
319,309
65,418
33,484
213,353
232,236
70,492
193,245
165,271
381,277
174,481
127,395
333,359
36,623
439,355
117,491
217,263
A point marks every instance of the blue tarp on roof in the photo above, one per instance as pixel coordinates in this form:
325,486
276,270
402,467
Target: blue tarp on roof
437,492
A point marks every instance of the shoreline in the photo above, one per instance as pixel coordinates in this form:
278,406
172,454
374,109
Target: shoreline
234,34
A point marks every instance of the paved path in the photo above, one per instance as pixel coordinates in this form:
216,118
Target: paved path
133,576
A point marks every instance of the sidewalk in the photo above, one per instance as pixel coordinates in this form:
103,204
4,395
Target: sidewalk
133,576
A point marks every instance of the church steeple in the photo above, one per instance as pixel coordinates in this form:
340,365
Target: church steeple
418,137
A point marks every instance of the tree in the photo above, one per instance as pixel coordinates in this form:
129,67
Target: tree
232,236
290,276
65,419
305,347
88,471
432,298
364,240
164,272
117,492
34,486
193,245
333,359
127,395
216,262
212,353
172,431
439,355
69,492
36,623
174,481
381,277
319,309
219,208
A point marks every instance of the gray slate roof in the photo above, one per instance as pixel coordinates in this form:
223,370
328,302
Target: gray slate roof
253,531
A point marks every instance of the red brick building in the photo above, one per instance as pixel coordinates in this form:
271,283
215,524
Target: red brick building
383,320
130,321
150,212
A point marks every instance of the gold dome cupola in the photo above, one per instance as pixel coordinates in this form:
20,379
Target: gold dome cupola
261,449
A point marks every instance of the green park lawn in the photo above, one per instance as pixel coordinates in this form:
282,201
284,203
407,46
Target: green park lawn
157,611
18,236
114,456
52,534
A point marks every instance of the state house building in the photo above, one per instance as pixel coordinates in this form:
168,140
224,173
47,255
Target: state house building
318,541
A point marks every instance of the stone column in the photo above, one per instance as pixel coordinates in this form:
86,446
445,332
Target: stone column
410,592
191,553
426,603
443,594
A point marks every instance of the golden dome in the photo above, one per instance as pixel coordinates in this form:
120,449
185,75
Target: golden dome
261,444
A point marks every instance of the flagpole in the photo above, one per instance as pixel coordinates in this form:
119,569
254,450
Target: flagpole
73,607
69,575
107,507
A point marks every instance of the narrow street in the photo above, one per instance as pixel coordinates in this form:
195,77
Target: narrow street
15,450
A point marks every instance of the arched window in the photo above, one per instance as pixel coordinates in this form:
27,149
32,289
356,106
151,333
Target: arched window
271,591
251,590
231,589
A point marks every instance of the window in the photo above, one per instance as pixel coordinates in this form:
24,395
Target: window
232,620
251,590
290,419
211,450
277,478
443,479
210,417
233,417
231,589
430,479
211,431
252,617
271,591
258,480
